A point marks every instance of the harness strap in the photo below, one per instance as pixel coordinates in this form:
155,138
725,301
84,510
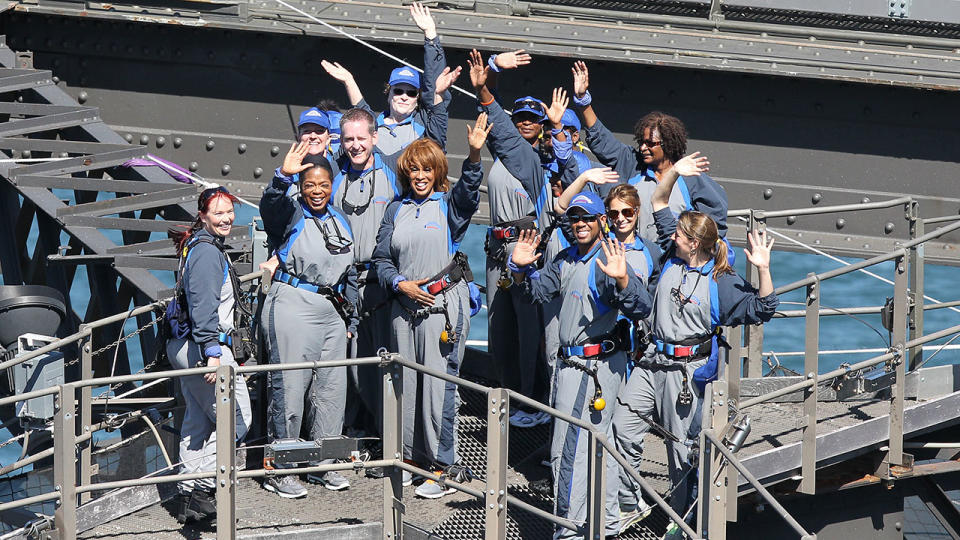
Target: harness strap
689,349
456,271
343,307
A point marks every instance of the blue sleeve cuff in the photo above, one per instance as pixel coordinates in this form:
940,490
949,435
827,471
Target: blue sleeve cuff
278,174
528,270
492,62
213,350
396,283
562,149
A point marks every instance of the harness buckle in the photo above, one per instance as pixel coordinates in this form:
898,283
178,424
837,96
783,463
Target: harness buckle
436,287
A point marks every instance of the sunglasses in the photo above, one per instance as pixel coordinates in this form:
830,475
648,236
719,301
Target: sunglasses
529,104
208,194
409,93
627,213
586,218
648,143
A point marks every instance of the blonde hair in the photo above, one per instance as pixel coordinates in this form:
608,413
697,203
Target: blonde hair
424,153
701,227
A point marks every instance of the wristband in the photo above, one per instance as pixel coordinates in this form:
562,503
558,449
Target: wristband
396,283
556,131
512,266
584,101
492,62
487,104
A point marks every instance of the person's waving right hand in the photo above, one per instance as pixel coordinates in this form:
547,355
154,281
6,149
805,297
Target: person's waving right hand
581,78
293,161
478,70
525,252
557,106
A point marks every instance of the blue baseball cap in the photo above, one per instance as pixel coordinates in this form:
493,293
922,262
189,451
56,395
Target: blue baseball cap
334,117
405,75
531,105
570,120
588,201
314,115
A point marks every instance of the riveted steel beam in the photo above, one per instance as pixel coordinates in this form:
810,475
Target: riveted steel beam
133,202
90,184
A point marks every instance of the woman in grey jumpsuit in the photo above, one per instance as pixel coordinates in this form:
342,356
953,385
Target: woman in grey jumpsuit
698,292
416,257
209,294
309,312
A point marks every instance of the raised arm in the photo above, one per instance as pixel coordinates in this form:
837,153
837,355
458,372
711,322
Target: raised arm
276,207
343,75
740,303
519,158
535,286
604,175
691,165
465,194
581,87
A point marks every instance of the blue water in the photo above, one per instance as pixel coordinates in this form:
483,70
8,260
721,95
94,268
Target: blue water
780,335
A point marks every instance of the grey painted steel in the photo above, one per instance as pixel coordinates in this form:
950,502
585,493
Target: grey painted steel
940,505
596,487
50,122
498,433
897,339
753,333
393,508
226,478
808,463
126,224
917,285
64,464
86,413
21,79
770,499
734,382
89,184
713,501
133,202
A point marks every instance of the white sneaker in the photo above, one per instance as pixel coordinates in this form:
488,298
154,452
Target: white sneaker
432,490
287,486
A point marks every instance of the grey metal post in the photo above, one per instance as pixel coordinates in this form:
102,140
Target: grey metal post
895,456
753,332
916,283
226,400
495,495
86,413
734,363
808,448
65,463
596,488
393,507
713,500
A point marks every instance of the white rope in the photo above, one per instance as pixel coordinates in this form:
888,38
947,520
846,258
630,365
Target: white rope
33,160
843,262
856,351
365,44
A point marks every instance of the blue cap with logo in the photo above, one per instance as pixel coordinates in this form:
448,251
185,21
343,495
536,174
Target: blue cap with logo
314,115
405,75
531,105
589,201
570,120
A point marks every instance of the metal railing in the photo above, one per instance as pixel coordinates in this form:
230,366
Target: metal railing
73,483
717,501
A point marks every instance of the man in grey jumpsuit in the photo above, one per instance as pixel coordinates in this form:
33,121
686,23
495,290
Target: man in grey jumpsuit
596,284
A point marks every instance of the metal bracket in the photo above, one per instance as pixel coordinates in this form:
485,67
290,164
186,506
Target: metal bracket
900,9
891,471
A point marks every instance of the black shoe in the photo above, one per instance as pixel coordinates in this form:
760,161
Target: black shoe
542,487
197,505
374,472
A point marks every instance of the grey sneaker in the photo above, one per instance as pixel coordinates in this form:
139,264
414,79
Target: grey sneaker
432,490
629,518
407,479
287,487
332,480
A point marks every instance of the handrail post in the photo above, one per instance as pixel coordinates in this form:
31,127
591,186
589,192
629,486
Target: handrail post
226,403
734,363
713,495
754,333
916,282
86,413
495,495
596,488
808,448
393,507
898,341
65,463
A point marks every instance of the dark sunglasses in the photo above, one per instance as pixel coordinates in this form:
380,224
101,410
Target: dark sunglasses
627,213
409,93
586,218
208,194
528,104
648,143
319,130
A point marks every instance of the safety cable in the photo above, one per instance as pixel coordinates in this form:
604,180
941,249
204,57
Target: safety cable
839,260
365,44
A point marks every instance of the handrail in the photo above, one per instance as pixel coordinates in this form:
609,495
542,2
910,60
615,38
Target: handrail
865,310
847,369
752,480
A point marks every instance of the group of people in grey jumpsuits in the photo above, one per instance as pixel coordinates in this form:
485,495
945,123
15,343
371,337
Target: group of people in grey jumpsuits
664,219
584,256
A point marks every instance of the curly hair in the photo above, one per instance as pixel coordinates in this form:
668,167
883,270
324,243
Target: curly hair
425,154
673,134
